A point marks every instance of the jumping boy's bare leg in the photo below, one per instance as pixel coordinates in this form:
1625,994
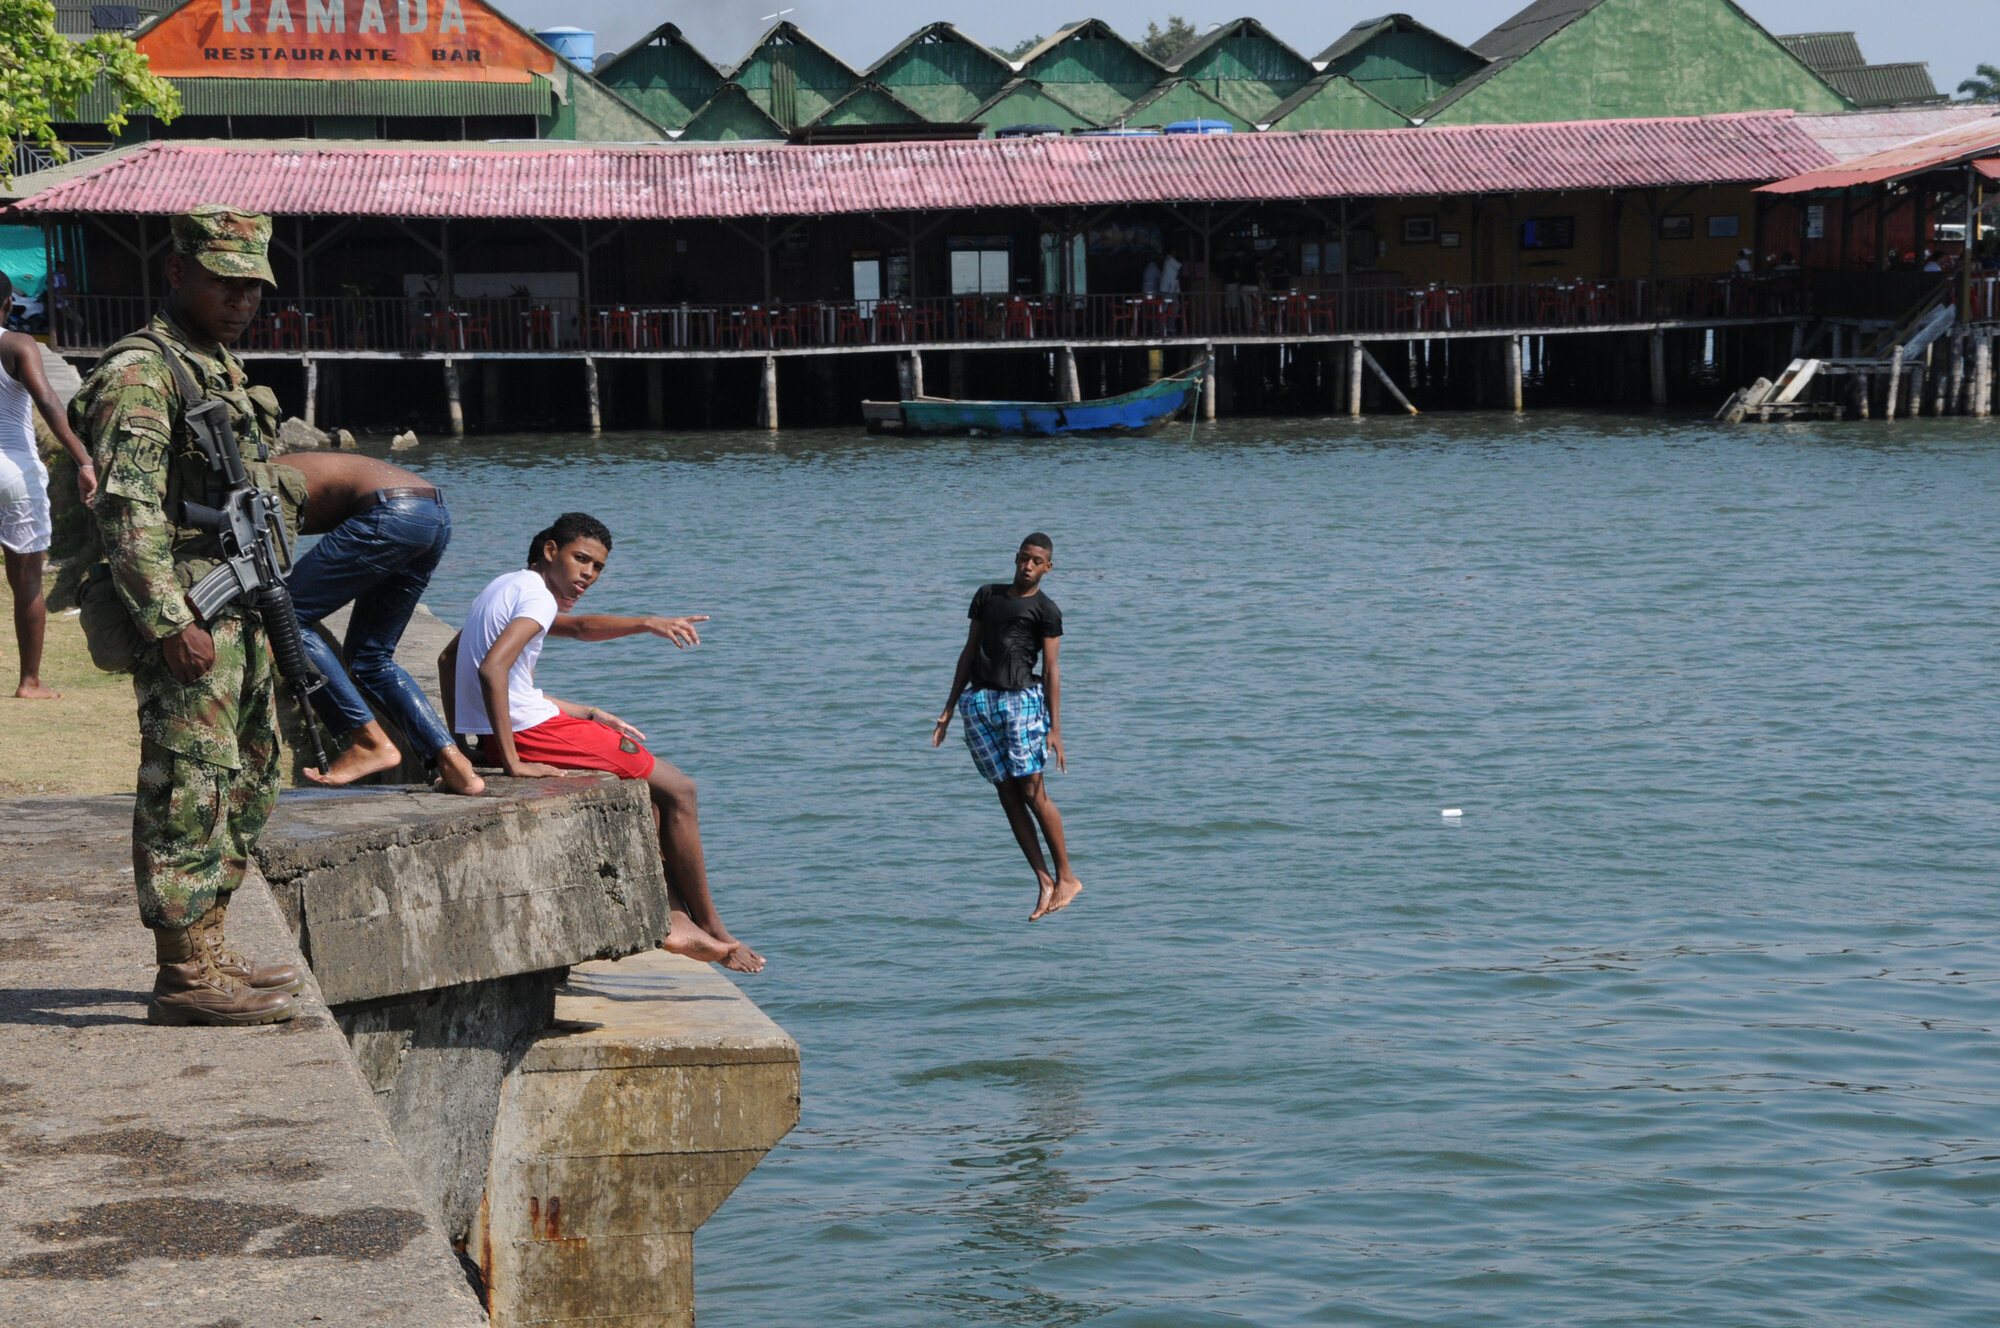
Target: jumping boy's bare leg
31,620
687,868
1014,799
1067,887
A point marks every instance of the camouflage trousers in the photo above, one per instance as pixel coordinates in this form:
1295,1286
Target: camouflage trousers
208,775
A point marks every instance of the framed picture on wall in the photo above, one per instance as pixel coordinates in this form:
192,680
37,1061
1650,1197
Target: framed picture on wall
1677,226
1449,239
1723,228
1816,221
1548,233
1420,230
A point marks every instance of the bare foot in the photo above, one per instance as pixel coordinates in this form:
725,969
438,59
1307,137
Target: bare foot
456,775
744,960
1067,889
1045,887
370,753
31,689
684,938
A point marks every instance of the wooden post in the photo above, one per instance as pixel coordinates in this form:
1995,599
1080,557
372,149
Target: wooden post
767,399
1389,382
1354,354
1982,378
1954,392
1066,374
656,394
1895,385
1154,365
916,373
451,400
1916,397
903,392
590,394
493,404
1798,339
1514,374
312,387
1208,384
1659,364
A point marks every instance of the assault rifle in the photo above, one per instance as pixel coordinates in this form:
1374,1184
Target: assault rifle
256,555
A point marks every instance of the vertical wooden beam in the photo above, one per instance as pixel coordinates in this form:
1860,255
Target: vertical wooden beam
49,284
916,373
590,395
1514,396
1658,363
1066,375
656,394
767,398
1982,379
1954,391
1354,378
451,399
1155,364
1895,384
492,401
312,389
1208,383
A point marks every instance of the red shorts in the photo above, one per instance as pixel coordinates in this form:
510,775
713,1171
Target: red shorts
575,744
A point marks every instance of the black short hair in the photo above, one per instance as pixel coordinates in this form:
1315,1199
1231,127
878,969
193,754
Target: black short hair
569,526
6,289
1042,542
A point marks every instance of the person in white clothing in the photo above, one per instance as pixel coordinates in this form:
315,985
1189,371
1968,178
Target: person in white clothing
1170,274
25,530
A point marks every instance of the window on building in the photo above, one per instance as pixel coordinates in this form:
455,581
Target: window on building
1549,233
981,264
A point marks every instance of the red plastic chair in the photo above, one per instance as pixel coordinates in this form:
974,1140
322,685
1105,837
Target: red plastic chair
849,327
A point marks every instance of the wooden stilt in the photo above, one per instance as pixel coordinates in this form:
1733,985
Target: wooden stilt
768,398
656,394
1895,384
1659,363
1514,395
312,392
1389,382
1155,364
1982,378
590,393
1916,397
1954,392
1798,339
1208,384
916,373
492,399
453,405
903,391
1354,354
1066,373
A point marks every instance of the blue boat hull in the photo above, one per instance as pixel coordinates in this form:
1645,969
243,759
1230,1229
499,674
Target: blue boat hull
1137,412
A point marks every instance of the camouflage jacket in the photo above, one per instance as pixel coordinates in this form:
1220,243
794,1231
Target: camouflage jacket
129,413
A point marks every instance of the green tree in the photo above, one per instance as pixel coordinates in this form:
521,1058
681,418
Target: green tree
1984,87
1021,48
44,75
1163,44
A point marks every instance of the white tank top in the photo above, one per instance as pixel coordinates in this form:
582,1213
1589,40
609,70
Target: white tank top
17,418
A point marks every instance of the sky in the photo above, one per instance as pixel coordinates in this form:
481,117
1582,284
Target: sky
1953,35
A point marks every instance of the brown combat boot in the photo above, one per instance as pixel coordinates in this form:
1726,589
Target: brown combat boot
288,978
192,990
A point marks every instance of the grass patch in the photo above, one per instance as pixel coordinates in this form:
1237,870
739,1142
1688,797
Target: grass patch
87,742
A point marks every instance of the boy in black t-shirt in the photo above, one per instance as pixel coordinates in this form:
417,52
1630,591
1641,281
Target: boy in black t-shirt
1012,719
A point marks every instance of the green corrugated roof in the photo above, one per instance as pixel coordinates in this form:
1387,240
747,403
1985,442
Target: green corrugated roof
731,115
1025,101
1334,101
1885,85
361,96
663,75
941,73
1092,69
869,104
1182,99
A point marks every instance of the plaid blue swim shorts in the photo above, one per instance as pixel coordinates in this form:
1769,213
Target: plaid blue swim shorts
1007,731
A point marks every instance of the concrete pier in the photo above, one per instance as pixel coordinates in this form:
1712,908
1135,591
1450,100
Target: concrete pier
497,1089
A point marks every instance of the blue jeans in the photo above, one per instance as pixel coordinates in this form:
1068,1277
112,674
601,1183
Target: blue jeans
381,560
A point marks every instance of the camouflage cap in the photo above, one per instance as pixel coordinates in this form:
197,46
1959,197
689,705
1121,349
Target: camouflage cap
227,241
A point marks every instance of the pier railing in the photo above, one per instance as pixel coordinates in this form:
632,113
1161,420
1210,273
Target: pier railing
422,325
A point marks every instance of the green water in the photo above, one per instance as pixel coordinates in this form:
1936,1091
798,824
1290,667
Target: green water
1689,1021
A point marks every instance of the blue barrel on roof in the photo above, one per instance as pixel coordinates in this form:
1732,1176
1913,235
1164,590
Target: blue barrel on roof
1200,127
576,45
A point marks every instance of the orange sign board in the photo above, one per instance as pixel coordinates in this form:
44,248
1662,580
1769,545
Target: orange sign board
339,39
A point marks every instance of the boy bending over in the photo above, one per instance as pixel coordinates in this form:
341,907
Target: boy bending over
487,674
1013,719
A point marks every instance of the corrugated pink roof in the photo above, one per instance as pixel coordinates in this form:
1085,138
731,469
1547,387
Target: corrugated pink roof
1851,134
675,183
1951,148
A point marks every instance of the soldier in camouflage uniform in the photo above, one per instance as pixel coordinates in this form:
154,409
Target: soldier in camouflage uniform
208,763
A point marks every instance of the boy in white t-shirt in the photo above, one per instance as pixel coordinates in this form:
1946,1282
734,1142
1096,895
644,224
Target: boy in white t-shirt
487,675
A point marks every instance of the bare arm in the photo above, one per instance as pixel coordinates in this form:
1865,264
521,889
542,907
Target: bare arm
610,626
24,363
1052,689
959,678
493,692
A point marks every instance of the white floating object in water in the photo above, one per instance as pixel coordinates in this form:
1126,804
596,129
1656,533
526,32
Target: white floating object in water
1452,813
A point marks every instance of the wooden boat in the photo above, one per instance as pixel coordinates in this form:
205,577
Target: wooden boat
1137,412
